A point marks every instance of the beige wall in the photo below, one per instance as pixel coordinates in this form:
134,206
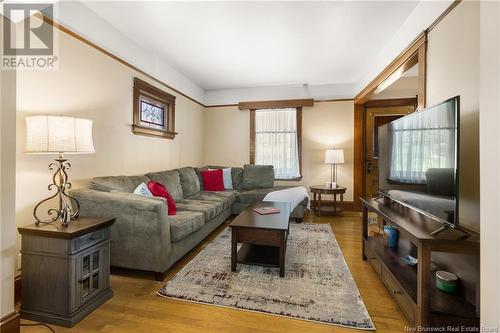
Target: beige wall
490,159
453,69
8,250
92,85
325,125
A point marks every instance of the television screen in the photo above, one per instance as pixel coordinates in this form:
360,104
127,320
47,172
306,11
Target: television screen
418,160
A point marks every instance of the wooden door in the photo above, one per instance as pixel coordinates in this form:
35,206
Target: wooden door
375,117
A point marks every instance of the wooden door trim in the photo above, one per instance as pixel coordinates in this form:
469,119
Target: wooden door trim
375,103
415,52
408,55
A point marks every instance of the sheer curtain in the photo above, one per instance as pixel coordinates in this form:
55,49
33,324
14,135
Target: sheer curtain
276,141
421,142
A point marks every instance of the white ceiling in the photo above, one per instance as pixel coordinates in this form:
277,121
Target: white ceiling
248,44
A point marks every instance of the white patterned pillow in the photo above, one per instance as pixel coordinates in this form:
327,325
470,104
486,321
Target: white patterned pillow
228,180
143,190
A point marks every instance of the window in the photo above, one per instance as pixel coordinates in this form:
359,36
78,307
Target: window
276,140
154,111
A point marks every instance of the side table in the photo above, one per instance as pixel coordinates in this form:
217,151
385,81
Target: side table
65,270
338,205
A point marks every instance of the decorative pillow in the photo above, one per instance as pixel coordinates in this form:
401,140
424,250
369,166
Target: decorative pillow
158,190
213,180
143,190
257,176
189,181
226,177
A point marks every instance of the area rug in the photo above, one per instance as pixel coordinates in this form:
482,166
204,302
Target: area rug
317,286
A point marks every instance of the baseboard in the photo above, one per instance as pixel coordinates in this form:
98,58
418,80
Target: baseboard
10,323
348,205
17,289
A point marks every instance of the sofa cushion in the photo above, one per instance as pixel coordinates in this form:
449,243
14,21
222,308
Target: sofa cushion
251,196
210,208
258,176
184,224
171,180
189,181
237,177
117,183
226,197
256,195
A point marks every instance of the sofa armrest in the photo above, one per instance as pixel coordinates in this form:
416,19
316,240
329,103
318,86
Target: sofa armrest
140,236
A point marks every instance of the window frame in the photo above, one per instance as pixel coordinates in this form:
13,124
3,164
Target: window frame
156,95
298,110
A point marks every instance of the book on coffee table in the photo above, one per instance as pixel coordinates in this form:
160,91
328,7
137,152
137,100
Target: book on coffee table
266,210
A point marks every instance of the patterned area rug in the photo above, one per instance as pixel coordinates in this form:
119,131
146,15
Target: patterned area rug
317,286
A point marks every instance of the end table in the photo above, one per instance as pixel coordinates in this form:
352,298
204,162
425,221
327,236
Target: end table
338,205
65,270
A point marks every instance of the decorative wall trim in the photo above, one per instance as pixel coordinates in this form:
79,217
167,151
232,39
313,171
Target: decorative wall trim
10,323
84,40
443,15
220,105
333,100
288,103
315,101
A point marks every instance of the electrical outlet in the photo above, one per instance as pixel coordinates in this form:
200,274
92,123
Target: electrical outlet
18,262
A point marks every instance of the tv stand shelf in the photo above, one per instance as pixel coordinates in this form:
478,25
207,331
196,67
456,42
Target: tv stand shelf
414,287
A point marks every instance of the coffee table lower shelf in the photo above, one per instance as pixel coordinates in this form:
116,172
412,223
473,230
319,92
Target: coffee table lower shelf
259,255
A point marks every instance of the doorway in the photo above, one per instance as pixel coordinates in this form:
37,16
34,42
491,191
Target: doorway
386,86
374,118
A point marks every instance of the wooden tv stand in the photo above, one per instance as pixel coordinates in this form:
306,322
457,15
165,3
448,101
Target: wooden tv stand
413,287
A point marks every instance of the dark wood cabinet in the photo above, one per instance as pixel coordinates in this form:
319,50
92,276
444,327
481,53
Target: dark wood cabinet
414,287
65,271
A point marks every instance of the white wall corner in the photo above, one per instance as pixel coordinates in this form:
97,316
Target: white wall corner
424,14
82,20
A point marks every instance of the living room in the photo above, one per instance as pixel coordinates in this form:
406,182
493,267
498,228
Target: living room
221,73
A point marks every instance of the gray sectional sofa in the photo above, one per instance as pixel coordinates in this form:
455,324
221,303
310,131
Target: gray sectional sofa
145,237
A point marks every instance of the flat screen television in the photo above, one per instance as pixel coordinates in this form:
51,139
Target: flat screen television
418,161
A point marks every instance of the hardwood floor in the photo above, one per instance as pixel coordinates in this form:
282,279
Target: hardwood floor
135,307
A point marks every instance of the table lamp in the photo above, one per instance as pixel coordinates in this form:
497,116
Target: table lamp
334,157
58,135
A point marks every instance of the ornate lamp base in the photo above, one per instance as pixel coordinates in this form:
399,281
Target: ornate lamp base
60,182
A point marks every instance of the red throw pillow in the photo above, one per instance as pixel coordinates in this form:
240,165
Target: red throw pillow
158,190
212,180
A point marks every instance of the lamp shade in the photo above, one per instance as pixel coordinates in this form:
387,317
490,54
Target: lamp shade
58,135
334,156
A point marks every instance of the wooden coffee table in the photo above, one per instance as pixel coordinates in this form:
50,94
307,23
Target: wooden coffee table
264,237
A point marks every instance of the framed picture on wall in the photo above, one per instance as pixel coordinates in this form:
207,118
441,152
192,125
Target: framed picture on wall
154,111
